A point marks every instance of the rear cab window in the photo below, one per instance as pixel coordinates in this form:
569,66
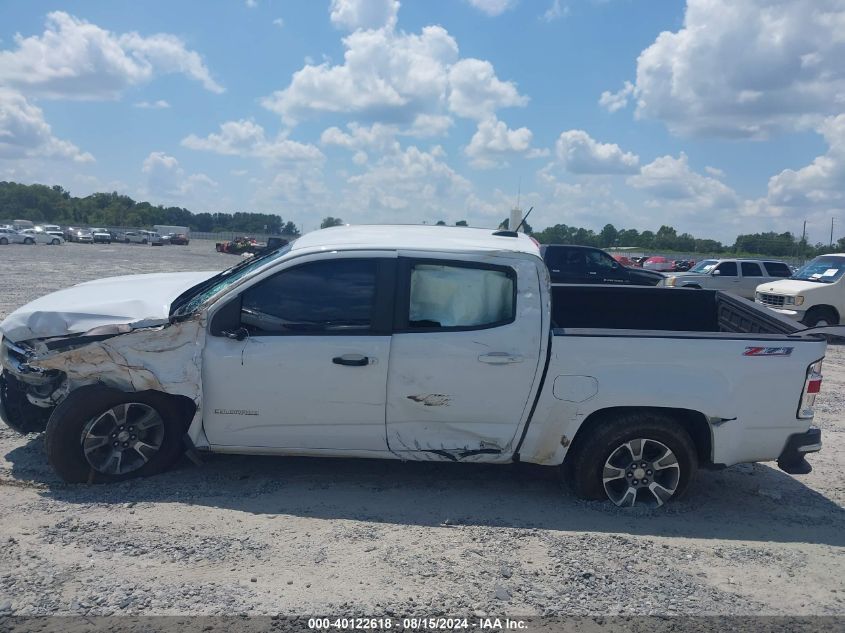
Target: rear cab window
443,296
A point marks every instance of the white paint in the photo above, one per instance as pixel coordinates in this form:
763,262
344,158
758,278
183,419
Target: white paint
113,300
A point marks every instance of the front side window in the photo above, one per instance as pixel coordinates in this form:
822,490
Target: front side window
750,269
596,260
328,296
727,269
443,296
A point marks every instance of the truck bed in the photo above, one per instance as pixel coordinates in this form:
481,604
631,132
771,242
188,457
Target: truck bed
596,307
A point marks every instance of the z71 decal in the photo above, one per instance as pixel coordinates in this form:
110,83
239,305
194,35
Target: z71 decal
767,351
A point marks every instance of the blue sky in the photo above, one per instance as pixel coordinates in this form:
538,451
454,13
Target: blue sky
715,116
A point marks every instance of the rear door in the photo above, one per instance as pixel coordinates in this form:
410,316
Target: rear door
566,265
752,276
464,357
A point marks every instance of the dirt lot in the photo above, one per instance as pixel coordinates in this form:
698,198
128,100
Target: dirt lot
315,536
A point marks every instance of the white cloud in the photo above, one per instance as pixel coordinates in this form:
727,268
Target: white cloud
167,180
476,92
160,104
251,4
378,137
363,14
25,134
493,7
670,180
426,125
410,182
746,68
493,142
75,59
556,11
613,101
579,153
246,138
817,190
395,77
279,22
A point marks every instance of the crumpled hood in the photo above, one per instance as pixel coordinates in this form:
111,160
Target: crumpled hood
112,301
790,286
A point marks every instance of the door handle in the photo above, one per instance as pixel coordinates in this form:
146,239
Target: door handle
352,360
500,358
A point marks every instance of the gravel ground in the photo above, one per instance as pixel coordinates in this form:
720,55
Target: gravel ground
263,535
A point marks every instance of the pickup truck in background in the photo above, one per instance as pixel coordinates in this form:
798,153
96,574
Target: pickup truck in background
738,276
569,264
411,343
815,295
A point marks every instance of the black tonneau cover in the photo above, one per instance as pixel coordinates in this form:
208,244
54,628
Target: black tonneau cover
662,309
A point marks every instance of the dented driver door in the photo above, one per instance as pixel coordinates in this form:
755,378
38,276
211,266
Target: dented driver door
464,356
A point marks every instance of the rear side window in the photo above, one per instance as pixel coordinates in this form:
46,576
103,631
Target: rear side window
446,296
727,269
750,269
778,269
327,296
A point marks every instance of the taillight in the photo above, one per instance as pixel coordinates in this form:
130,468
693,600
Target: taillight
812,385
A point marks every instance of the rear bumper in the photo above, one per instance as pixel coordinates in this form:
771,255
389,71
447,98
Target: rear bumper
793,458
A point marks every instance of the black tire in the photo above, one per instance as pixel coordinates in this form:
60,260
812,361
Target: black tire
29,240
19,413
584,466
696,286
820,316
3,241
55,242
63,440
126,239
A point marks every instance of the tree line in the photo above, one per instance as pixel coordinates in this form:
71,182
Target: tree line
55,205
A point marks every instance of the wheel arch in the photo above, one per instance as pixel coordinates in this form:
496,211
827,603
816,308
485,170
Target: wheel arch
824,307
183,404
694,422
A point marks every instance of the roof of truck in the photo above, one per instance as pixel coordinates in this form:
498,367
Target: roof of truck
415,237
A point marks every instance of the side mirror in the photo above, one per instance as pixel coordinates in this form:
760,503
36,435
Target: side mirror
715,273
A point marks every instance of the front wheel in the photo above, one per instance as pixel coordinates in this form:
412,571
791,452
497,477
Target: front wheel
29,240
99,434
3,241
820,317
55,242
639,459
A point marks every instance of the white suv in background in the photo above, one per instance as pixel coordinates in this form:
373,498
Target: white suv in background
738,276
815,295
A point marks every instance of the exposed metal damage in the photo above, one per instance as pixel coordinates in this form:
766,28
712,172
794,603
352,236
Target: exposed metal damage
165,358
431,399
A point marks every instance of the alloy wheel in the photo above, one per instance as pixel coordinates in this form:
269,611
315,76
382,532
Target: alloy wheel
642,472
123,439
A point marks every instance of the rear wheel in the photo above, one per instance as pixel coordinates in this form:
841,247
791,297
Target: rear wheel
55,242
635,459
3,241
29,240
98,434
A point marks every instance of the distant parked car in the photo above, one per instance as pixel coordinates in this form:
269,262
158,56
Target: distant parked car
682,265
625,261
101,236
135,237
739,276
179,238
660,264
152,238
31,236
85,236
570,264
7,235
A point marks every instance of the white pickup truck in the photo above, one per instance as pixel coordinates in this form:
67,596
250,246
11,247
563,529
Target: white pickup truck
412,343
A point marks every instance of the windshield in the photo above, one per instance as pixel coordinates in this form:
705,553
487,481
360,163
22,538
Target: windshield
825,269
704,266
193,298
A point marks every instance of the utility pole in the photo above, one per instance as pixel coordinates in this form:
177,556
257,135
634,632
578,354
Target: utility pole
831,232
